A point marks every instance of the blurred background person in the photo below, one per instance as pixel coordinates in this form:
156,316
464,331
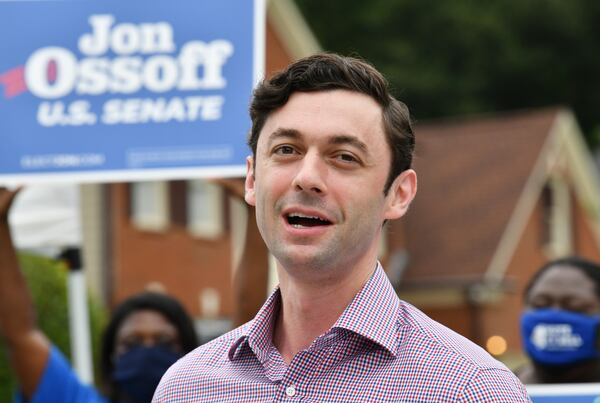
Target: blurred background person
560,323
146,334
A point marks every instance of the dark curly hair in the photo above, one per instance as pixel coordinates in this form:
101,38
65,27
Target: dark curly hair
169,307
327,71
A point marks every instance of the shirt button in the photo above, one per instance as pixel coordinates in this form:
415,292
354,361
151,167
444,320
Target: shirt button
290,391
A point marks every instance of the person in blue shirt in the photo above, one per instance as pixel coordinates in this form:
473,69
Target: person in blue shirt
561,322
146,334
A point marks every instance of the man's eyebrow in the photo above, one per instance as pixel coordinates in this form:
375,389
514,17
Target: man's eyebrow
351,140
333,140
284,133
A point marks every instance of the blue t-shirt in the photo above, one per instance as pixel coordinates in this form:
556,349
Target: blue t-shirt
59,384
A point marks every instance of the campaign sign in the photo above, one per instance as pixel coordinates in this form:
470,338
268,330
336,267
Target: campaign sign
105,90
560,393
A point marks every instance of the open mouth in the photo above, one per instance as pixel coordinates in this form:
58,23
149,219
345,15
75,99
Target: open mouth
300,220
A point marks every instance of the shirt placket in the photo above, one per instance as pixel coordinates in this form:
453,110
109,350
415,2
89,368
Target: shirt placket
292,385
305,366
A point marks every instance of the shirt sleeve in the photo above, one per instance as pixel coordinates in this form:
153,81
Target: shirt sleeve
59,384
495,385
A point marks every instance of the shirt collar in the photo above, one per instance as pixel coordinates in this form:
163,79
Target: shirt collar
258,333
372,314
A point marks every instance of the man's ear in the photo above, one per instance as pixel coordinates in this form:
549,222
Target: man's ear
400,194
249,184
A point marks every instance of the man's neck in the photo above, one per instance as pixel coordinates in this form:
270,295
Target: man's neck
308,310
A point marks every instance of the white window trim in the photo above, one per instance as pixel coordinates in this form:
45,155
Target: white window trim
155,218
206,218
561,230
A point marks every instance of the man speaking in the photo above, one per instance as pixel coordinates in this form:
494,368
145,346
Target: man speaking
331,158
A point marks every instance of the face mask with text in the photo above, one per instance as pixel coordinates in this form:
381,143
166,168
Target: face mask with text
559,337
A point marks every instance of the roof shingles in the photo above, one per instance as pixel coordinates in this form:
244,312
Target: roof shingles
471,175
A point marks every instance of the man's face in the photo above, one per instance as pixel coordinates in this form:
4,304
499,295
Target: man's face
564,288
147,328
317,183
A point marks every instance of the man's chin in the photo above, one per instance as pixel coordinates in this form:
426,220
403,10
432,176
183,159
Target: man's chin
303,259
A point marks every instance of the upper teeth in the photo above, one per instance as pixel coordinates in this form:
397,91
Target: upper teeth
305,216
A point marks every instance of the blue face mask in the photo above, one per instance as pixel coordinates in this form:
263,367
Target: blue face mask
138,371
557,337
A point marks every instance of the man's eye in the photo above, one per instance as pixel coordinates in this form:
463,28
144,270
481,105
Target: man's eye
577,307
166,339
284,150
347,157
132,342
539,303
129,344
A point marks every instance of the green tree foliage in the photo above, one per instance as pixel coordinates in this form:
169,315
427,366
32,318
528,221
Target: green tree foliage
47,280
459,57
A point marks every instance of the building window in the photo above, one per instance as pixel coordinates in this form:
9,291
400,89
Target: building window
210,303
205,209
150,205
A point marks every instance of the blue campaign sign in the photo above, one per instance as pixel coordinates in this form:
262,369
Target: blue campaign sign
560,393
112,90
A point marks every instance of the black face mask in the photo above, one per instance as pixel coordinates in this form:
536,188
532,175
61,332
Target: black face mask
138,372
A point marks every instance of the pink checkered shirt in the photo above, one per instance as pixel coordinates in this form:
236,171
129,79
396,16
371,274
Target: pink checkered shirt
381,349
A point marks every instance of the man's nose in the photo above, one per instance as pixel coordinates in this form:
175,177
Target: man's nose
311,174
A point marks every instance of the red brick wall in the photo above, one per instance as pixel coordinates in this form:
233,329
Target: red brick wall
174,258
182,263
502,319
457,318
